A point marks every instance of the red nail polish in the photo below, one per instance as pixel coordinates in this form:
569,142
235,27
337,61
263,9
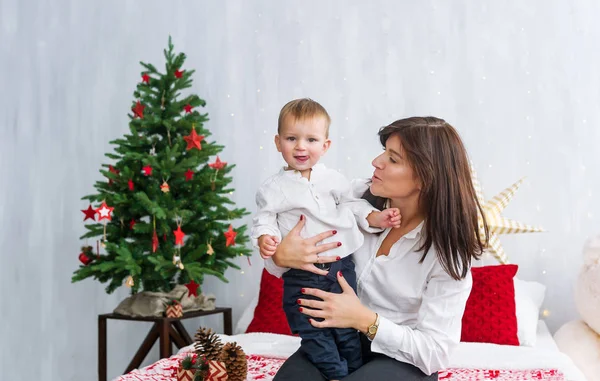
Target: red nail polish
301,217
300,309
338,258
298,301
303,290
340,274
339,244
334,232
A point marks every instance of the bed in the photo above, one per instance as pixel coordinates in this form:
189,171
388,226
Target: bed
471,361
536,358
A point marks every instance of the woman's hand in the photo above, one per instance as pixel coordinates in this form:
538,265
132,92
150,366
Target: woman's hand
338,310
302,253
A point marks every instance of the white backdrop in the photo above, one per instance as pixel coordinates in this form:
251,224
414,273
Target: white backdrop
519,80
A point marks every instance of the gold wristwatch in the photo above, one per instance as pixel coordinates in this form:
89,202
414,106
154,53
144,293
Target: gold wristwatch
372,329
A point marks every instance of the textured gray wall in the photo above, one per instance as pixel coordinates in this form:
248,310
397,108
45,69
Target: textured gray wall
518,79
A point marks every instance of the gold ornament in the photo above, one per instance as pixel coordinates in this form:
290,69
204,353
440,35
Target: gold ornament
129,281
164,187
210,250
497,223
177,261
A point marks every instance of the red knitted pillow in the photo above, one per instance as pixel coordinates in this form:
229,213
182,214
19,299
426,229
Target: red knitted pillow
269,315
490,315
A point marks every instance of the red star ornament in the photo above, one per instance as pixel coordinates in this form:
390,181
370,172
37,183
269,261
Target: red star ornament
193,140
192,288
179,234
188,108
218,164
90,213
138,110
178,74
147,170
104,212
145,78
189,174
230,235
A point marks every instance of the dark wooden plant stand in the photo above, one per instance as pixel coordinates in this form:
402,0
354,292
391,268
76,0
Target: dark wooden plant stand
168,330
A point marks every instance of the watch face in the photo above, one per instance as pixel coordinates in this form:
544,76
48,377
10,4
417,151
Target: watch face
372,330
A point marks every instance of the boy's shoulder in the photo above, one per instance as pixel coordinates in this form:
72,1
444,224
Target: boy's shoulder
329,174
271,182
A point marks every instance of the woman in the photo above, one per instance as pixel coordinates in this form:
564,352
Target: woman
413,281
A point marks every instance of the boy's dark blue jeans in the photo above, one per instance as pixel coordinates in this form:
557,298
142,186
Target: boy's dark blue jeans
335,351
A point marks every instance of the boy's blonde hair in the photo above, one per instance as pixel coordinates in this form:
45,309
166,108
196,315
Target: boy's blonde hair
301,109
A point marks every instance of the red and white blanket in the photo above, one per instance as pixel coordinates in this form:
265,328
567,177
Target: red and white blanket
264,368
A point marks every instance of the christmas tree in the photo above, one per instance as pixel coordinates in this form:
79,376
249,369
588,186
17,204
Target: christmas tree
164,216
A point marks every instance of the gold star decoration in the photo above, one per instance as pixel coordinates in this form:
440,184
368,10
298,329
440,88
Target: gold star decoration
497,223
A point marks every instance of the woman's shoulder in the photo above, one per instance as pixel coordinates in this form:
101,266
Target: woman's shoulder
436,268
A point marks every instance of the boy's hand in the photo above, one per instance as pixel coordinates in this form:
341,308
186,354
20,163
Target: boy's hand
387,218
267,245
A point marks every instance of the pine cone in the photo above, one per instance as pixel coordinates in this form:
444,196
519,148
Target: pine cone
207,344
235,361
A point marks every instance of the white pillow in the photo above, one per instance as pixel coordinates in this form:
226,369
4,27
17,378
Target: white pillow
529,297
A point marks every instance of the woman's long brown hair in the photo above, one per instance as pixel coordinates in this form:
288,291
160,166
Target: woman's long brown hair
439,159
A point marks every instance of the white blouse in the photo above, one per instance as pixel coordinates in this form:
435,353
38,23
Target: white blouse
419,304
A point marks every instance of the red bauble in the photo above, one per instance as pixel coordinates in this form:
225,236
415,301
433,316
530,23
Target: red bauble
85,259
154,242
230,236
132,224
130,184
193,140
112,169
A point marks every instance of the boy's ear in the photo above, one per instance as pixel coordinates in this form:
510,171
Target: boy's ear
278,143
326,145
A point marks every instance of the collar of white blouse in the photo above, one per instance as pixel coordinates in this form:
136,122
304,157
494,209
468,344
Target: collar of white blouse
413,235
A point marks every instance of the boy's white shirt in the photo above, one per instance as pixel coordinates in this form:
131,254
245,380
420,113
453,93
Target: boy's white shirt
326,201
